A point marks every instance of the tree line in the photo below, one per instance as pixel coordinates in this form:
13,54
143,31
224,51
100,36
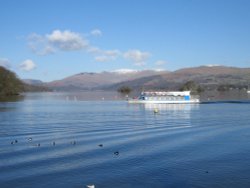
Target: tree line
11,85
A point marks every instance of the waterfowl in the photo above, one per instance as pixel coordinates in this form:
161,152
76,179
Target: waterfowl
116,152
90,186
73,143
156,110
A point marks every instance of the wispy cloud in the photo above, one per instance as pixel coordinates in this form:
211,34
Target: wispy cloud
110,55
66,40
160,62
104,55
27,65
138,57
94,50
102,59
96,32
4,62
39,44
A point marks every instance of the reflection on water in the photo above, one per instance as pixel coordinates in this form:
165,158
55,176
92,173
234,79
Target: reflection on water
172,107
75,96
224,95
114,96
179,111
12,98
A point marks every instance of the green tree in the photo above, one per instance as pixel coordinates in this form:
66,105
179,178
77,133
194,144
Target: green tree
124,90
9,83
191,86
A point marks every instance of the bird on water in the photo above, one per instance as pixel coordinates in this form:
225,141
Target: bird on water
116,152
90,186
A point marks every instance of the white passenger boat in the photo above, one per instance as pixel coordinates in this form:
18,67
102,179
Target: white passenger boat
163,97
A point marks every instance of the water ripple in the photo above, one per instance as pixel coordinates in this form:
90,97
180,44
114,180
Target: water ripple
75,143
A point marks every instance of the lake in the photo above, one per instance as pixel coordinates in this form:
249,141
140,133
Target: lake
74,140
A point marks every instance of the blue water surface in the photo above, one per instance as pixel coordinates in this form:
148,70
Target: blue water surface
55,140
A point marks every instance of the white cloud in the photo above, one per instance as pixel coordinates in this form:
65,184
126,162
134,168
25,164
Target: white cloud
55,41
139,58
67,40
96,32
27,65
160,62
4,62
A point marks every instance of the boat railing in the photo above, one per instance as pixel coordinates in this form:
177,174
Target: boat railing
195,97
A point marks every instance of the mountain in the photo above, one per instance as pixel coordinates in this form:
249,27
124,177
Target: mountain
209,77
94,81
32,82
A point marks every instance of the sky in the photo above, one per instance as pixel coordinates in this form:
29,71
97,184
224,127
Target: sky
52,39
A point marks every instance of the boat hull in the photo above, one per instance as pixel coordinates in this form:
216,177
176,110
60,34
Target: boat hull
137,101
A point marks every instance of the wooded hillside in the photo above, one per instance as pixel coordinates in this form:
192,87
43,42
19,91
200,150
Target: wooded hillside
9,83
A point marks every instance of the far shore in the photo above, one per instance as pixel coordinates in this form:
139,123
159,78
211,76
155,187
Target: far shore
114,95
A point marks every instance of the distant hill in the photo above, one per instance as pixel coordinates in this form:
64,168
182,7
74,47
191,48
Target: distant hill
33,82
95,81
207,77
31,85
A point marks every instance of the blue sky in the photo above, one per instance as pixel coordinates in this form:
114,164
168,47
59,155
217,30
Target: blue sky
52,39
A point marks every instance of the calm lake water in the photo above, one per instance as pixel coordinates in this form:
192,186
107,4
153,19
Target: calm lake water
66,140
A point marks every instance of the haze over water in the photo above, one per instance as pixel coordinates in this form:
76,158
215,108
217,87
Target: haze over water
68,141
